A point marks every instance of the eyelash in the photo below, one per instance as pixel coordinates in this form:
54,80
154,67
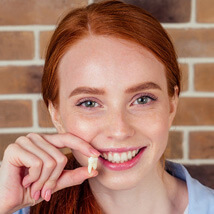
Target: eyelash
149,96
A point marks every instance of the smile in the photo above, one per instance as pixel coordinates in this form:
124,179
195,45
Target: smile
121,159
115,157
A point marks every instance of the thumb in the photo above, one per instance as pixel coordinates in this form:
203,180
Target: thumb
74,177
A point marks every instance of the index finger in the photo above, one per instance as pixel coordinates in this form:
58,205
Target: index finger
71,141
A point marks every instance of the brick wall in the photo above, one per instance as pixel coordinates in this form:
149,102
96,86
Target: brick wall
26,26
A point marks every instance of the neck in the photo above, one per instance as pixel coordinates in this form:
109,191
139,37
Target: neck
156,191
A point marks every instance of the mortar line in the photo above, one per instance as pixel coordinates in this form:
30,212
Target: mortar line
194,161
192,128
21,62
27,130
27,28
197,94
185,145
20,96
36,45
193,12
191,87
192,25
35,113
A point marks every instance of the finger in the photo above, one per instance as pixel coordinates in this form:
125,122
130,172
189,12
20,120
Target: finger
73,142
49,164
60,159
74,177
19,157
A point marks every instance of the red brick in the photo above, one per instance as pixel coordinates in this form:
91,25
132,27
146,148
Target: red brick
165,11
21,79
5,140
15,113
184,77
174,147
195,111
44,116
45,37
16,45
193,42
205,11
201,145
204,77
203,173
35,12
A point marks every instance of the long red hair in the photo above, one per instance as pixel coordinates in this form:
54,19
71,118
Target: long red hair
109,18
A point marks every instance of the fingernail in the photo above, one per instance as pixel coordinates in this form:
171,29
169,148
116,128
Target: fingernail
26,185
93,173
48,195
36,195
94,152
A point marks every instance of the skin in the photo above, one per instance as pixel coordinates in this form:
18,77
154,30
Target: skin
116,119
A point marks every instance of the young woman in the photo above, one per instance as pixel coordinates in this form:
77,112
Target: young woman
111,83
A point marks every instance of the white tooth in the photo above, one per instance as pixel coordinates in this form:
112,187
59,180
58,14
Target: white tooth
105,155
129,155
89,169
124,157
133,153
92,163
110,157
116,157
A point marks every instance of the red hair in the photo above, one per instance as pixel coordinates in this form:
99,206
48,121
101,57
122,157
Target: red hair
113,19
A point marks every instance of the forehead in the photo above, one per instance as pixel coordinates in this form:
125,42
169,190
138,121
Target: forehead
98,61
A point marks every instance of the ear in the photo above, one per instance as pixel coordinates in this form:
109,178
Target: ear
173,104
55,117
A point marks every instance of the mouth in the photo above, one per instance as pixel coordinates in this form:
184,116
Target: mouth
121,160
119,157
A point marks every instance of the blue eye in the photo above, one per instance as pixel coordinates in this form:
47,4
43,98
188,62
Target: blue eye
88,104
144,100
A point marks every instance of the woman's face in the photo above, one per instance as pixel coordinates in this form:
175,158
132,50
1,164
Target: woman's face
113,94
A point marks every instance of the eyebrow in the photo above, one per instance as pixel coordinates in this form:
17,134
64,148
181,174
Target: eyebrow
97,91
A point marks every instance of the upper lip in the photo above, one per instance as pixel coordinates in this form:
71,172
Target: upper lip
123,149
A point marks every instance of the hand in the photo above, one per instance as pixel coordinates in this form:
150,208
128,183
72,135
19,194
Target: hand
33,168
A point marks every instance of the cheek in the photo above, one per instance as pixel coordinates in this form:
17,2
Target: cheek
156,127
81,127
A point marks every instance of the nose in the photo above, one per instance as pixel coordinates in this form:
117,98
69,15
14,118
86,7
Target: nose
118,126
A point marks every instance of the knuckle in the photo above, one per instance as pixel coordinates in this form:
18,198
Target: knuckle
32,135
50,164
20,139
51,183
38,163
10,148
62,160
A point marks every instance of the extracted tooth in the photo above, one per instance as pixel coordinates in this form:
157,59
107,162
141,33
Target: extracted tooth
92,163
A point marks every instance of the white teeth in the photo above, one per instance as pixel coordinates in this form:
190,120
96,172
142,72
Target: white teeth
92,163
105,156
116,157
120,157
124,157
129,155
110,157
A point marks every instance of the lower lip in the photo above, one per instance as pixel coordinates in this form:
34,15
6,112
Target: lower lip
125,165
